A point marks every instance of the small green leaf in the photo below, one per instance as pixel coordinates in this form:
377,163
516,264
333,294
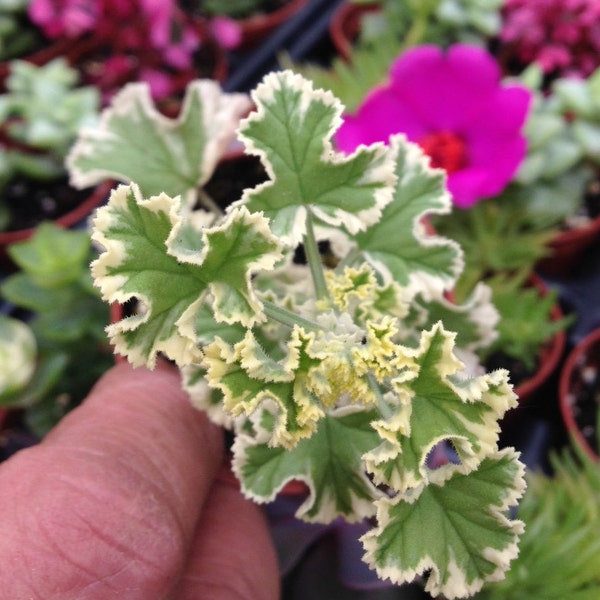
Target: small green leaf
329,463
18,351
134,142
291,133
52,256
455,526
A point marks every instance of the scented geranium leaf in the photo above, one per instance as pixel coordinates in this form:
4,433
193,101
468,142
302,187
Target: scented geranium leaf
241,245
207,328
399,246
145,258
134,142
291,133
329,462
248,378
456,527
442,407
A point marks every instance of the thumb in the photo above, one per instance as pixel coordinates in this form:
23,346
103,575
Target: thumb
109,501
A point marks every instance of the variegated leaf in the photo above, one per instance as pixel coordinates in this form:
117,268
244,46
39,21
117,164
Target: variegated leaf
329,462
399,245
441,407
134,142
456,527
146,259
291,133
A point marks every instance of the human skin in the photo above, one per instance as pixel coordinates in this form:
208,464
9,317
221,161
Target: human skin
123,499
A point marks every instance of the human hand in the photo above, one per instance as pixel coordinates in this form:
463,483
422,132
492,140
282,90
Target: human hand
123,500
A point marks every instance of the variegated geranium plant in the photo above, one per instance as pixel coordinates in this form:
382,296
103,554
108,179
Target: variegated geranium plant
346,373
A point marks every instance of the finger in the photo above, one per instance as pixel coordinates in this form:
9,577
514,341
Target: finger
233,556
110,500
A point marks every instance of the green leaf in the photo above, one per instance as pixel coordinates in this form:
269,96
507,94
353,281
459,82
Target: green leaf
248,378
350,81
291,133
442,407
134,142
53,256
49,371
146,258
18,351
329,463
398,246
526,319
455,526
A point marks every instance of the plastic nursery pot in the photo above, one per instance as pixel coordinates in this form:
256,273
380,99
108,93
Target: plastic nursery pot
567,249
550,354
76,215
579,393
258,27
346,23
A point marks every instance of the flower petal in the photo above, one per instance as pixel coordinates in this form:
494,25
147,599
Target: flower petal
445,89
382,114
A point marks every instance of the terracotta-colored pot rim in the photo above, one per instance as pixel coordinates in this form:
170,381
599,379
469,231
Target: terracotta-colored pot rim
69,219
564,386
343,27
552,351
262,24
578,235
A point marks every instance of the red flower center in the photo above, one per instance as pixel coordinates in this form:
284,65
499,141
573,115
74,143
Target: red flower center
446,150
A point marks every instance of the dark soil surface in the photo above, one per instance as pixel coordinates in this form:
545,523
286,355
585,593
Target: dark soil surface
519,373
585,387
31,202
232,176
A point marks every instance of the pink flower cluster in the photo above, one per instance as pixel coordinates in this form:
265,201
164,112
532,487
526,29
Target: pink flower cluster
562,36
455,106
147,36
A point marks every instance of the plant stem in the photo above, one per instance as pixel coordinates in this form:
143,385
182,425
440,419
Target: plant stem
352,257
287,317
384,409
414,35
313,258
208,203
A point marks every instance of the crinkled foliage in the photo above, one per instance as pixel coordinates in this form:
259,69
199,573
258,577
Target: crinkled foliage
337,372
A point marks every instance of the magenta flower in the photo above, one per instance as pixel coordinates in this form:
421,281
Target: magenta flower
227,32
145,40
70,18
562,36
452,104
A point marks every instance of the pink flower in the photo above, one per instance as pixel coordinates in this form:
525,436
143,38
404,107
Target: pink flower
226,31
455,107
562,36
70,18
